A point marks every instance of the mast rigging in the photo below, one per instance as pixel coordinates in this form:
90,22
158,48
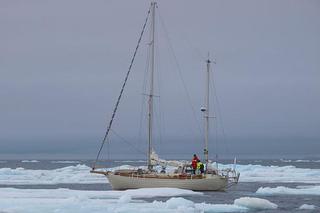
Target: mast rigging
121,91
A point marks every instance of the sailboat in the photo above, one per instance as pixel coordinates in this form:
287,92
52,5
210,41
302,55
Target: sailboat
211,179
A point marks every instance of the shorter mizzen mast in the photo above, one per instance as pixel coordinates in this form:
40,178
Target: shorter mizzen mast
206,111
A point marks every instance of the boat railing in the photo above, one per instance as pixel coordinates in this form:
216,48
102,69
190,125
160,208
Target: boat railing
232,175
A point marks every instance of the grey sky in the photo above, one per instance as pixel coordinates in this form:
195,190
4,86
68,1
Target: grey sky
62,64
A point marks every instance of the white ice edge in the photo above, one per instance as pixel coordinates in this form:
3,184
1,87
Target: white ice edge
300,190
307,207
299,161
71,174
66,200
65,161
30,161
255,203
63,193
276,174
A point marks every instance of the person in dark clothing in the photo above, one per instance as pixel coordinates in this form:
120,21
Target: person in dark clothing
201,167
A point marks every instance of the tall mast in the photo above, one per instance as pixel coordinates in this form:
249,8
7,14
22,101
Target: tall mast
206,115
150,101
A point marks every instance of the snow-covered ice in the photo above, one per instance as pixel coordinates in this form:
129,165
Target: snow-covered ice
259,173
65,161
130,161
285,160
255,203
299,161
307,207
64,193
66,200
300,190
30,161
302,161
69,174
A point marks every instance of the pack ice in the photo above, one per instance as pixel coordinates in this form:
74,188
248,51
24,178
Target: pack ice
66,200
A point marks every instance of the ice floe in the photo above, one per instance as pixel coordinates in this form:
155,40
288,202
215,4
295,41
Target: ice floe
307,207
66,200
255,203
69,174
130,161
65,161
299,161
303,161
300,190
285,160
259,173
64,193
30,161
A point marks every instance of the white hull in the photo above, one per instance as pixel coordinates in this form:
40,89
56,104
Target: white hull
209,183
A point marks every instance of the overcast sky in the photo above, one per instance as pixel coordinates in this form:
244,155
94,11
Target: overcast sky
62,64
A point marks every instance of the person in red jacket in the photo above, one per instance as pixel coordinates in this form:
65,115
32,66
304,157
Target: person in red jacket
194,162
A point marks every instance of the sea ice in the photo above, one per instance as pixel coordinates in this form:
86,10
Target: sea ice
124,199
286,161
63,193
259,173
307,207
175,202
65,161
30,161
70,174
130,161
66,200
255,203
302,190
302,161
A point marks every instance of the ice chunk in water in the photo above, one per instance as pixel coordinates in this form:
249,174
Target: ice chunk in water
29,161
255,203
175,202
307,206
302,190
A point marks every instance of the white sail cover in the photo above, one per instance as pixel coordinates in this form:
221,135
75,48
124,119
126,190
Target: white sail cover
155,160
